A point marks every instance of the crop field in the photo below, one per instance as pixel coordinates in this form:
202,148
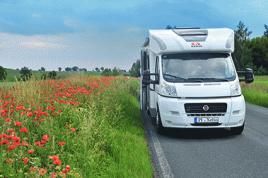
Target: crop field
76,127
257,92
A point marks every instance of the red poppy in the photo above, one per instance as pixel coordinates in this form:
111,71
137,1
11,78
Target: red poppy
73,129
7,120
24,130
45,138
62,143
25,160
18,124
30,151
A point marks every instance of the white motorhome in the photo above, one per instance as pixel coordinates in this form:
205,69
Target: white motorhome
189,80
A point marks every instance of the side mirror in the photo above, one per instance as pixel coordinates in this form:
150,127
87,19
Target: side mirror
247,74
146,79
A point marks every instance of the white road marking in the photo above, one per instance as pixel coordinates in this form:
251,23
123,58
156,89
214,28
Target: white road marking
162,160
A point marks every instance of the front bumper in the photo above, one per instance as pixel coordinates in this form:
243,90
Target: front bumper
172,112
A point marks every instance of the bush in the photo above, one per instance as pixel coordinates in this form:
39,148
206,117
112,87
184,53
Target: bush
3,73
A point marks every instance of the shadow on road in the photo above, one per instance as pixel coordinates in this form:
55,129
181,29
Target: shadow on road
197,133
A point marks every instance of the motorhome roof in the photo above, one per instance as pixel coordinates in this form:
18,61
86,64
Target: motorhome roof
190,40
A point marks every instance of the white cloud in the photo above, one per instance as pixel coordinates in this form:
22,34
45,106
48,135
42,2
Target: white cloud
12,41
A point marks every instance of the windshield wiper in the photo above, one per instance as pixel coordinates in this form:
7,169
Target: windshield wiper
174,76
208,79
194,79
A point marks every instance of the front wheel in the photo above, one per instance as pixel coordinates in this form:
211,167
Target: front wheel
158,123
237,130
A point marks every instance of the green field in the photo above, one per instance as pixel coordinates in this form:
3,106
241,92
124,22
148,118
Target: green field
257,92
14,75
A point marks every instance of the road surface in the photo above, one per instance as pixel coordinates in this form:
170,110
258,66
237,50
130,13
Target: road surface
212,153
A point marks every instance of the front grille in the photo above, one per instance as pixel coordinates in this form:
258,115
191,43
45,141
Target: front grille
209,108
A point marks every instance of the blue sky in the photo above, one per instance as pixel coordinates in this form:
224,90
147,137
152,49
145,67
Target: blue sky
94,33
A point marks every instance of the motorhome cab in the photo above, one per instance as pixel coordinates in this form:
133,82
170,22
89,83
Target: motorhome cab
189,79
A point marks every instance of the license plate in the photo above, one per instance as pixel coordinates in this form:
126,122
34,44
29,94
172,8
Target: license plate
206,120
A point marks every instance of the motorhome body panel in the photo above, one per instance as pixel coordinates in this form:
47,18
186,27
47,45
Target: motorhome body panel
168,41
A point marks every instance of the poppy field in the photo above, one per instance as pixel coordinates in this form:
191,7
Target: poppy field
76,127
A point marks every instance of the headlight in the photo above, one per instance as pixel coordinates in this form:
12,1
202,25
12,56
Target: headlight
167,90
235,89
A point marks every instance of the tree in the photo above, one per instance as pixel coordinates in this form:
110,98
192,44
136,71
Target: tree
59,69
115,71
169,27
259,48
42,69
52,75
25,74
135,69
97,69
242,55
75,68
3,73
68,69
107,72
102,68
266,30
82,69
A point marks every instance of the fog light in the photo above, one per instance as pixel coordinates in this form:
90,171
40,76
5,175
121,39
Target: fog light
175,112
236,112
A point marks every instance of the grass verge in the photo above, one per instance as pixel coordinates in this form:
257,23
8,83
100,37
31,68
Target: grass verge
112,136
257,92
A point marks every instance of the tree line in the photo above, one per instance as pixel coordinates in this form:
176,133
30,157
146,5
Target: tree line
26,73
251,52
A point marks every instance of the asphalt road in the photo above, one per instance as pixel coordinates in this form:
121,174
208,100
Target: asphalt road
213,153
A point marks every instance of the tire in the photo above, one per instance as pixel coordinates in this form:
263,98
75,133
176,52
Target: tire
158,123
237,130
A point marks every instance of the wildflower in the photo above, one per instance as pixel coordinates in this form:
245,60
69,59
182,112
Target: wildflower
29,114
3,112
53,175
73,129
18,124
42,171
25,160
7,120
20,107
11,131
9,161
4,142
12,147
45,138
24,143
30,152
24,130
66,169
33,169
61,143
38,143
56,159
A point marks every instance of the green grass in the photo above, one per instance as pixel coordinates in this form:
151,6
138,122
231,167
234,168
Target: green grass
114,144
257,92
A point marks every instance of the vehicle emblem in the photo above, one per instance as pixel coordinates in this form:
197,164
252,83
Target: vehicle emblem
196,44
205,107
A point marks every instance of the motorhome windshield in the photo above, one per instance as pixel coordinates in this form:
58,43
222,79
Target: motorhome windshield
197,67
